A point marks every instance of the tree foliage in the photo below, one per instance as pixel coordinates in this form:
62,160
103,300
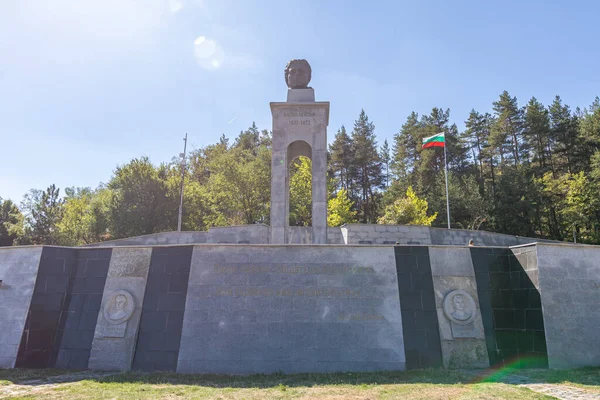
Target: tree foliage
301,192
410,210
531,170
11,223
340,209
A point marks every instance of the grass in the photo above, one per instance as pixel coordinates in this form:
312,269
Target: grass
8,376
416,384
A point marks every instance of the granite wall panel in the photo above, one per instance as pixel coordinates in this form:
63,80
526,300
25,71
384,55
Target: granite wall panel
417,300
162,312
510,306
261,309
81,307
41,337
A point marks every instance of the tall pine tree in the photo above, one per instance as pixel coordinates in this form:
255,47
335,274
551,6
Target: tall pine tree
368,174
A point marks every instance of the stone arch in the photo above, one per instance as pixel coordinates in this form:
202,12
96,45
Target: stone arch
299,148
296,149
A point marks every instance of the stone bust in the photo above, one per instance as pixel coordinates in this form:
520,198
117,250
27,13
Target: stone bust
459,307
297,74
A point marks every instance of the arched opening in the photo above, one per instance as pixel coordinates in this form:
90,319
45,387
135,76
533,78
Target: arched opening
299,174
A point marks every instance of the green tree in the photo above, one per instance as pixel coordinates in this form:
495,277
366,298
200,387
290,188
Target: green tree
11,223
340,209
43,211
368,168
507,131
476,137
340,159
385,159
301,192
85,216
410,210
589,131
404,150
139,203
537,135
239,186
565,144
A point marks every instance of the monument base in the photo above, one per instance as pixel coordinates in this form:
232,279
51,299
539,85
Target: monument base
301,95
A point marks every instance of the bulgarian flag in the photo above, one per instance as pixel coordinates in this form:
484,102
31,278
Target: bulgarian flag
437,140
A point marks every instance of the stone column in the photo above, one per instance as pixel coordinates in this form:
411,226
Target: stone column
116,332
299,128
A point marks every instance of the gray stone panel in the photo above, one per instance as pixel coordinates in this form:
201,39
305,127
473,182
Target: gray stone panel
163,238
18,272
569,282
291,309
452,269
348,234
128,270
243,234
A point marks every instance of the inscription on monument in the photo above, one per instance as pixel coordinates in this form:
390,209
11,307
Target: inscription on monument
361,317
292,269
243,290
299,118
115,331
246,291
296,309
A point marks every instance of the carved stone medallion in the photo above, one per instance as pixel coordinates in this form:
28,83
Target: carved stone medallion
297,74
459,307
119,307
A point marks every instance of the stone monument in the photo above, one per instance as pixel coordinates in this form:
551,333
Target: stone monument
299,129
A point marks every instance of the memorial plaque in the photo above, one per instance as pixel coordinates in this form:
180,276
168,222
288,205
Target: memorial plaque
115,331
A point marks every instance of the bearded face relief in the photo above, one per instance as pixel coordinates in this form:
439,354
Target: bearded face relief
297,74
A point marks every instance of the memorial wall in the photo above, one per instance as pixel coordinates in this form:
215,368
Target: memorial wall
241,309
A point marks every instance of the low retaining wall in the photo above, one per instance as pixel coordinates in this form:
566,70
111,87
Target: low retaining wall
347,234
312,308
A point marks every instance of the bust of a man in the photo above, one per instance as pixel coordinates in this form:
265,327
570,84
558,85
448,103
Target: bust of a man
459,308
120,307
297,74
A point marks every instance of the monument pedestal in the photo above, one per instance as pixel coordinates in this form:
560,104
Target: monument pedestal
299,129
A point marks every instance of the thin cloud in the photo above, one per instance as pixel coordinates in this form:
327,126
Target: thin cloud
210,55
175,6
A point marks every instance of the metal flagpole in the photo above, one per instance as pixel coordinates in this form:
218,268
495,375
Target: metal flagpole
446,173
182,178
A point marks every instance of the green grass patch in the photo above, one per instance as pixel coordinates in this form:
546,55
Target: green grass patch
8,376
415,384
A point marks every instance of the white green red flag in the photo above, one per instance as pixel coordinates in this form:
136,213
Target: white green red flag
437,140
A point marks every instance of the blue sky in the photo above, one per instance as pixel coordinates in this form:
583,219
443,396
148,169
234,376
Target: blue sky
86,85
